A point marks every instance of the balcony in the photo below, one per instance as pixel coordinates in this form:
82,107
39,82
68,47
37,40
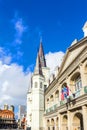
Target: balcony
75,95
51,109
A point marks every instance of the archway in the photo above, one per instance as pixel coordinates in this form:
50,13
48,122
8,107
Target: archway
85,75
78,122
65,122
56,124
53,124
76,83
64,91
86,68
57,96
47,103
51,99
48,124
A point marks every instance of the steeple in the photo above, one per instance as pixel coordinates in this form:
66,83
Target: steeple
40,61
38,69
41,55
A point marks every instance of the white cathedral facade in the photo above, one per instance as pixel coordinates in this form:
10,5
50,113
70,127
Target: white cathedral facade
35,95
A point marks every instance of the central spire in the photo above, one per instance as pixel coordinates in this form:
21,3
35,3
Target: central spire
41,55
38,69
40,61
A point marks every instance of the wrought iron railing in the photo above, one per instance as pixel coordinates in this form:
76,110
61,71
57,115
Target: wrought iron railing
70,98
53,108
75,95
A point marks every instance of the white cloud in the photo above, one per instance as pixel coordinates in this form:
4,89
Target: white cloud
4,56
54,59
20,28
13,84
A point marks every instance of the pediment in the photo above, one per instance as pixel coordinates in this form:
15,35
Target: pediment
70,55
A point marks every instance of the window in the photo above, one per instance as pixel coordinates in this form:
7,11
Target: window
45,86
78,83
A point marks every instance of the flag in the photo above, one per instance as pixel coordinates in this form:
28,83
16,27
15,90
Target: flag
62,95
66,91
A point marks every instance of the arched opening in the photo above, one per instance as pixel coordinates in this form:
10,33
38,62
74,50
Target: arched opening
65,122
52,124
86,68
85,77
64,91
48,124
51,99
78,122
76,82
57,96
57,123
47,103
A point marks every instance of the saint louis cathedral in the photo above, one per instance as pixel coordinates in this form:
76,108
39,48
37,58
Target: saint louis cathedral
59,102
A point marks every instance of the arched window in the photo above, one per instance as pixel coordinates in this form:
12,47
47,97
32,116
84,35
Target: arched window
78,83
51,98
57,94
86,68
47,100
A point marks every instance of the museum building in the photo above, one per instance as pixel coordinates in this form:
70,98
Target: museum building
60,103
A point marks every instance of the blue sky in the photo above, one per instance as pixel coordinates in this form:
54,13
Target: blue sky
22,24
58,22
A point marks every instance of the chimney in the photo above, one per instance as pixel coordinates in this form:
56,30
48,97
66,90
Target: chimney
85,29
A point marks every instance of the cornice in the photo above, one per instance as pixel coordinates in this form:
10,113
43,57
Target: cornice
79,43
74,64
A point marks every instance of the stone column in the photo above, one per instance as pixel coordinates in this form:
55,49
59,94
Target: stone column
55,123
51,127
84,111
60,122
56,127
45,124
46,128
69,120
